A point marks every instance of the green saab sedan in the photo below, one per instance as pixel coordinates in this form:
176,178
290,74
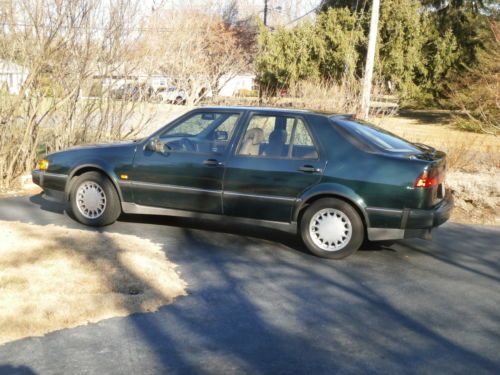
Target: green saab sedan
333,180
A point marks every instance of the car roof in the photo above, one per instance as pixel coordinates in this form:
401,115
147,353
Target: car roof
276,109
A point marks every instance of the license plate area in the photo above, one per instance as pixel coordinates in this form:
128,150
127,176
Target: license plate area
441,191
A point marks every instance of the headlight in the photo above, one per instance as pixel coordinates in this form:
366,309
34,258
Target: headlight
43,165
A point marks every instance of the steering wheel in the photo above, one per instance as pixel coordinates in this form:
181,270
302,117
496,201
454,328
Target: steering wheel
187,145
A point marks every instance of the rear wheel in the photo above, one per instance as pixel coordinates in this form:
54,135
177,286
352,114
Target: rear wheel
93,200
332,228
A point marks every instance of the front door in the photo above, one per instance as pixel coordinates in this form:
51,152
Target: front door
186,171
275,160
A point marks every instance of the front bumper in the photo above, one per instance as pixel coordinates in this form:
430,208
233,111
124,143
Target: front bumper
53,184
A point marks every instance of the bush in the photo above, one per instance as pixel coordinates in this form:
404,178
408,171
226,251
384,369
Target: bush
477,94
246,93
95,89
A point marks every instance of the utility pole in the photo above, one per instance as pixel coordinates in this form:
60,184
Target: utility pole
265,25
370,59
265,12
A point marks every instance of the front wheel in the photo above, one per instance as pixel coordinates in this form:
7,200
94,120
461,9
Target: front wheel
332,228
93,200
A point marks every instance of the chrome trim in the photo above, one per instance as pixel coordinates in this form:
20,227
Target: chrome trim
383,234
167,187
273,197
132,208
381,209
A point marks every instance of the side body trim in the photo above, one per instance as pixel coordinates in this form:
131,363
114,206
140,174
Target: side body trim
166,187
132,208
271,197
384,210
55,175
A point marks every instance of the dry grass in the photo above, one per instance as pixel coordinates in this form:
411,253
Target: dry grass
477,197
53,278
466,151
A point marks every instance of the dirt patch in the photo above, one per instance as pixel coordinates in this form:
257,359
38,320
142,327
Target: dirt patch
20,192
477,197
53,278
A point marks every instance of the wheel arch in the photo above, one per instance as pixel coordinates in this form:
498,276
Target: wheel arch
91,167
332,191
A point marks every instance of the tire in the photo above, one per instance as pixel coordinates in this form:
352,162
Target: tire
93,200
332,228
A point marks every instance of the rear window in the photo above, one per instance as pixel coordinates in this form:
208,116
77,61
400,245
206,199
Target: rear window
375,136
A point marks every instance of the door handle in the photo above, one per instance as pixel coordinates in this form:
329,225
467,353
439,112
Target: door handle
213,163
309,169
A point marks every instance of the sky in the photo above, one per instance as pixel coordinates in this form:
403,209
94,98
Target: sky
278,10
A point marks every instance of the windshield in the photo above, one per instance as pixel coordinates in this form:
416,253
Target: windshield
376,136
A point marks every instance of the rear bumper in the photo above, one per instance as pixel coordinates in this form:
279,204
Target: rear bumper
53,184
414,223
426,219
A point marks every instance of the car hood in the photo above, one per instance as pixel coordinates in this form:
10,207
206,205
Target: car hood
97,150
123,144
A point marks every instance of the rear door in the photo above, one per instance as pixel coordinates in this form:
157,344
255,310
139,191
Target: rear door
275,160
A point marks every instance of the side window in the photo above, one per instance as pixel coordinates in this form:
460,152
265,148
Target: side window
277,137
303,145
208,132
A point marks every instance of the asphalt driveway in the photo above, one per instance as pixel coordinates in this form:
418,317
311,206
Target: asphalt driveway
259,304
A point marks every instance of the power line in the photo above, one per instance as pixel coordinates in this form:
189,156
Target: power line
159,29
306,14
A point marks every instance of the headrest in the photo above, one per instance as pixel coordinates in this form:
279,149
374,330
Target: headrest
280,123
256,135
278,136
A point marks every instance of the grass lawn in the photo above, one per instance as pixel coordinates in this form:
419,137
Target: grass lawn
53,278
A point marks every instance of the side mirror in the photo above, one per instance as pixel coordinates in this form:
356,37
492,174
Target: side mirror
155,145
221,135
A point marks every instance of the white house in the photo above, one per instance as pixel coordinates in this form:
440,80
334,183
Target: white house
229,86
12,75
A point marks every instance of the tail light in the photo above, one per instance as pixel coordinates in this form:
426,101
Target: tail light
429,179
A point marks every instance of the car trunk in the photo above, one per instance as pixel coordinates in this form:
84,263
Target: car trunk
432,178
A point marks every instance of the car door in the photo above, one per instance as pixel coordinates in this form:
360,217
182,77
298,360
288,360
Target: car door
275,160
184,169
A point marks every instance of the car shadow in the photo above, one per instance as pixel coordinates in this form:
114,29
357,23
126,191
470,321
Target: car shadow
47,204
16,370
290,240
427,117
252,310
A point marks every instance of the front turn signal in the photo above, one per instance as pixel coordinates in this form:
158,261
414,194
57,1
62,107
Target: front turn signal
43,165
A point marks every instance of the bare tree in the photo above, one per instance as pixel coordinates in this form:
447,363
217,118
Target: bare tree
196,50
61,44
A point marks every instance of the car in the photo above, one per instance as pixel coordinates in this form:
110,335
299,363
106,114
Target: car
172,95
132,92
335,181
